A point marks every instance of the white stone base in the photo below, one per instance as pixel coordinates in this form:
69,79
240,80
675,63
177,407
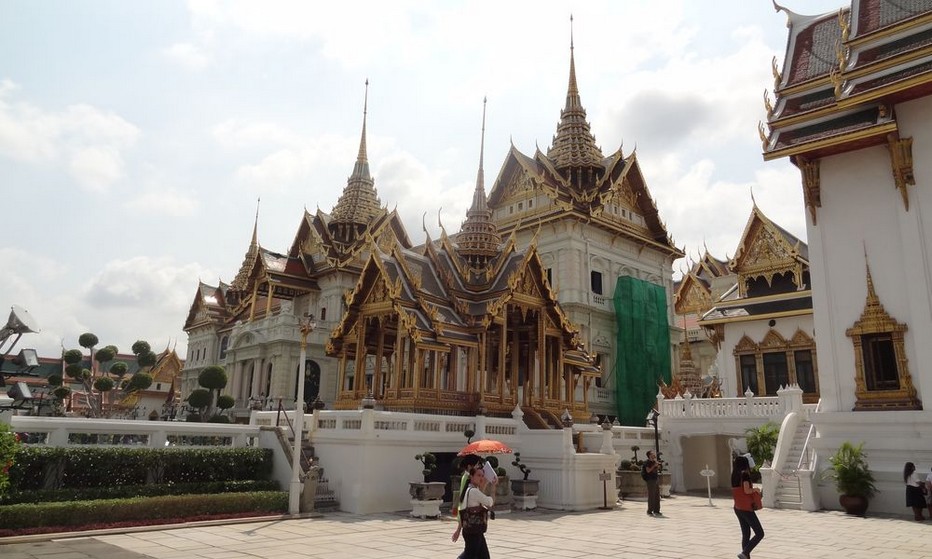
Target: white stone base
665,490
524,502
426,509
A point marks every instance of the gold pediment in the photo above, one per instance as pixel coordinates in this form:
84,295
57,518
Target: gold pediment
693,297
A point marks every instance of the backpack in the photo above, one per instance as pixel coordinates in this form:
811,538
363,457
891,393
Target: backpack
644,475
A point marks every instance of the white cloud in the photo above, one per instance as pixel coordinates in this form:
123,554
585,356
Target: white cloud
96,168
238,134
165,201
88,141
189,55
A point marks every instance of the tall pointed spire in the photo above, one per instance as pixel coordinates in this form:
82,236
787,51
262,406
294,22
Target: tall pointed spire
361,169
249,260
478,239
359,203
574,145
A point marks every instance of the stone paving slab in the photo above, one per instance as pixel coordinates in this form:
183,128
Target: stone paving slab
689,528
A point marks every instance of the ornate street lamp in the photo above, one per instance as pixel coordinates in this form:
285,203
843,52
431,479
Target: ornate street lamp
652,418
306,326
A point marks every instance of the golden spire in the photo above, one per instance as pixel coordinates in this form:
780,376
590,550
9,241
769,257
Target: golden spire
574,145
242,277
478,241
359,203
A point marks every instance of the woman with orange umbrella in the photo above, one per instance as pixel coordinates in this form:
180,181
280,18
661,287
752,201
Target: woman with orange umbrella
474,517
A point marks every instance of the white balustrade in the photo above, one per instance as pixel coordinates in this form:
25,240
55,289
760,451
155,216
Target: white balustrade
67,431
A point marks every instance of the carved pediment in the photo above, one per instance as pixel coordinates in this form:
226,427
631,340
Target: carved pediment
773,340
745,345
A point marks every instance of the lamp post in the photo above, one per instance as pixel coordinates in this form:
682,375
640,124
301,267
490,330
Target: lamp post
306,326
652,418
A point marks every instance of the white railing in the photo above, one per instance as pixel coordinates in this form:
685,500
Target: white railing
787,399
73,432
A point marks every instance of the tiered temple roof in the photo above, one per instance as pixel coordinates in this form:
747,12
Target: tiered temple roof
843,72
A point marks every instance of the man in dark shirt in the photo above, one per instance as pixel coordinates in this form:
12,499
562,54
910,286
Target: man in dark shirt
650,470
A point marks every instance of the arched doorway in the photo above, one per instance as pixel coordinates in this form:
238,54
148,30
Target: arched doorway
311,382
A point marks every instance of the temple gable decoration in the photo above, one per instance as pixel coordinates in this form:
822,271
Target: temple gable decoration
766,251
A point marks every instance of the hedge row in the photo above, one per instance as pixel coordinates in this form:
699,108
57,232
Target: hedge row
139,509
37,467
128,491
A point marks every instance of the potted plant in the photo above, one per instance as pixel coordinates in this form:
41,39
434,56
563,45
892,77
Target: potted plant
853,478
426,495
525,490
628,477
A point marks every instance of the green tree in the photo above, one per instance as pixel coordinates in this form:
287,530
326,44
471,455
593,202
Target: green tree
8,443
225,402
199,399
104,388
139,381
214,379
762,441
104,384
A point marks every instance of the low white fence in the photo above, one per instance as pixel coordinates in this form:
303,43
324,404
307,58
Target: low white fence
68,431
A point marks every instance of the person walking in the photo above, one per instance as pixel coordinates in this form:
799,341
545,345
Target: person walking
475,505
650,471
743,493
914,497
928,485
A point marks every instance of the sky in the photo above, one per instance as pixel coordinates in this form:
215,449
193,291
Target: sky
138,139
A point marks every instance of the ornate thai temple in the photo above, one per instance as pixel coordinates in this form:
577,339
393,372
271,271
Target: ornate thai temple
762,325
853,113
481,320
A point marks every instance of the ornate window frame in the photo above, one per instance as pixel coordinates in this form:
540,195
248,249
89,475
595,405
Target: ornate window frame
774,342
875,320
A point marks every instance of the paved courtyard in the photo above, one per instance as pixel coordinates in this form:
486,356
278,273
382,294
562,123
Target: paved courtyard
690,528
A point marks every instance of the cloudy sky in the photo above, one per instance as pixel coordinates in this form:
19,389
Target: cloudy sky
136,137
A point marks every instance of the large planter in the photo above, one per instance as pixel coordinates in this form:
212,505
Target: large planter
525,493
426,498
427,490
630,484
525,487
853,504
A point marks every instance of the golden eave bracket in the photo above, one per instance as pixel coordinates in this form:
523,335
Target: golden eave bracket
901,159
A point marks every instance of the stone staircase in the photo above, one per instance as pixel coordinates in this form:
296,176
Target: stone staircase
788,494
324,499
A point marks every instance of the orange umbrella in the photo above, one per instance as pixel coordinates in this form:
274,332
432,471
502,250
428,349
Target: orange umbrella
485,446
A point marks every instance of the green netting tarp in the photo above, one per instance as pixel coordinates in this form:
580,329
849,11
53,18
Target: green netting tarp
642,354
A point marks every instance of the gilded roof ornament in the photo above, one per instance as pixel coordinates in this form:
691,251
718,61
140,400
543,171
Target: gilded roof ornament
845,24
777,76
764,140
768,105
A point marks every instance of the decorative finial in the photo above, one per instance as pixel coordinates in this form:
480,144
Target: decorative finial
753,201
255,225
571,32
363,156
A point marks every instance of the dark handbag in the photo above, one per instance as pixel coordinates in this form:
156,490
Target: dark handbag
756,502
475,520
